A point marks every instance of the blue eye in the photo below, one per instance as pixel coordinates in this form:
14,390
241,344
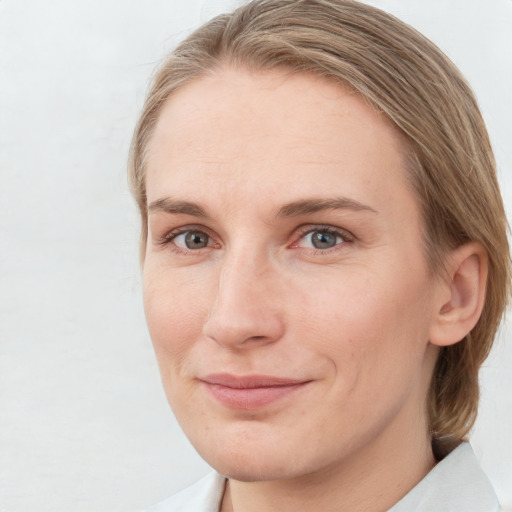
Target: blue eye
192,240
321,239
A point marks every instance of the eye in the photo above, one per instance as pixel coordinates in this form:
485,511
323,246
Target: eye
191,240
322,238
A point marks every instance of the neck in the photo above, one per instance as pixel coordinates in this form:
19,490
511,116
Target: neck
372,479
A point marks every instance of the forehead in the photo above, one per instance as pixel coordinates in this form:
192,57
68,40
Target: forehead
246,131
263,101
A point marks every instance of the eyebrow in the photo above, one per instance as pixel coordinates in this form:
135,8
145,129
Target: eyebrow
307,206
169,205
293,209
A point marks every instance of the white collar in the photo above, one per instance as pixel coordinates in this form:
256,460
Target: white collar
457,483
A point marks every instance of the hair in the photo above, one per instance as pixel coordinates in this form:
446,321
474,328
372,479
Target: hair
402,74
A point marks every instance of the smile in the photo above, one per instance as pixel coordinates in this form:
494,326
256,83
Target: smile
250,392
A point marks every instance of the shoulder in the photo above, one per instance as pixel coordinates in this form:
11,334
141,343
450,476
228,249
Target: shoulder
456,483
203,496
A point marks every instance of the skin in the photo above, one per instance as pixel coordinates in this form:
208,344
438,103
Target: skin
236,157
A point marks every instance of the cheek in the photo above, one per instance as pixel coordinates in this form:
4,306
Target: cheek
368,322
175,312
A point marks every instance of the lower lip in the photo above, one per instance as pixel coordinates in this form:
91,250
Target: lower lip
251,398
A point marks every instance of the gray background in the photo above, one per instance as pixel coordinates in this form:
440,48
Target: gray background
84,425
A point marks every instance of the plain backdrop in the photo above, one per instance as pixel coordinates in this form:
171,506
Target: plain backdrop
84,425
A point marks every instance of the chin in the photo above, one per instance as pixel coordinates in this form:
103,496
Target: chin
251,468
242,459
254,457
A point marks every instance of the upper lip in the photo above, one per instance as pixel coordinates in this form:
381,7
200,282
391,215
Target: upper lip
249,381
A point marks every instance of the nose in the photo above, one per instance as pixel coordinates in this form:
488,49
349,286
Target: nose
245,309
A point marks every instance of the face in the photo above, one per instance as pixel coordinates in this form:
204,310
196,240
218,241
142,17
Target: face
286,289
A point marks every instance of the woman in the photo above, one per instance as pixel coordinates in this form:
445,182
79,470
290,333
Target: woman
325,260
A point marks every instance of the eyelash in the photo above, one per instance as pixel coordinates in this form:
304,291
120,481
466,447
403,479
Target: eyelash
167,239
345,236
302,232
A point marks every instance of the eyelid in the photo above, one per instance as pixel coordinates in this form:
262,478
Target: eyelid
302,231
172,234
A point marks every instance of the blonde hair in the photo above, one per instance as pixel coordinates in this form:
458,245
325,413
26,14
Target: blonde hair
402,74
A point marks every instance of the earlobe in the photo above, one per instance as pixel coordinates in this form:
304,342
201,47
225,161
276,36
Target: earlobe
461,294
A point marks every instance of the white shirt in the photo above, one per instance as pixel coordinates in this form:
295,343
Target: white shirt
457,483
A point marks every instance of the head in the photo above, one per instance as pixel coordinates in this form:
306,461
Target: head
418,95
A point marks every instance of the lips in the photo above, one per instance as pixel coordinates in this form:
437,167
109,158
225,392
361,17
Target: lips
250,391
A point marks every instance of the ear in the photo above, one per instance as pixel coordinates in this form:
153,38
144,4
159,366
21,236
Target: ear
461,294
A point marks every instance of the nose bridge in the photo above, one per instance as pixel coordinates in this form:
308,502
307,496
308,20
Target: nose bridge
244,307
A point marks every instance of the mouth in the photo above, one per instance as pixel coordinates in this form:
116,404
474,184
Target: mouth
250,391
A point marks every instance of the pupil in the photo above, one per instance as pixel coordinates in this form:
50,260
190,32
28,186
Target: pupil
196,240
323,240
